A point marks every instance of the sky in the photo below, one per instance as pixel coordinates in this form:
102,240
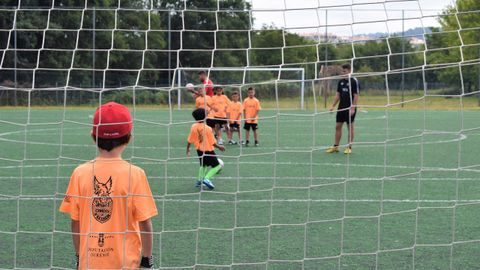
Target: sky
345,19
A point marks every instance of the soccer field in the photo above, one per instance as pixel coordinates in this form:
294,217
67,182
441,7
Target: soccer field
407,198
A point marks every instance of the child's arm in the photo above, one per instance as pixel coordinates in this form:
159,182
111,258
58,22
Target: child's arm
75,227
219,147
146,230
188,148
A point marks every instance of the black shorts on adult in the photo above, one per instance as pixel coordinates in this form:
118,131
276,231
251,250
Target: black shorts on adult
235,126
249,126
344,116
208,158
220,121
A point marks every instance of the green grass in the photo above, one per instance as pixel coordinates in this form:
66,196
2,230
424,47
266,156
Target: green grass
407,198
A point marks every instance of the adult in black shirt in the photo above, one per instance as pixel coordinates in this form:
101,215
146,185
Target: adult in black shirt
347,99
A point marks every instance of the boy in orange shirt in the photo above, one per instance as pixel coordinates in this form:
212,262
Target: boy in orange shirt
109,200
202,137
251,107
220,104
234,112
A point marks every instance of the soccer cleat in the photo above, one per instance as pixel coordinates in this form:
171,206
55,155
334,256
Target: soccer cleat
256,144
208,184
230,142
333,149
347,151
198,183
220,142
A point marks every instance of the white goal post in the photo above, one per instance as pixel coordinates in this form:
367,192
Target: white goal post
179,83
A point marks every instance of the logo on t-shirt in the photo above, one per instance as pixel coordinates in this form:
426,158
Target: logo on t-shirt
101,239
102,205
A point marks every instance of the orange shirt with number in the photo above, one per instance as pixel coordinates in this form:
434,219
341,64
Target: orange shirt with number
109,197
202,137
251,107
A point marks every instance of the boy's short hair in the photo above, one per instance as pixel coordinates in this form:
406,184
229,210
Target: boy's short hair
250,89
347,66
234,93
199,114
110,144
216,88
201,72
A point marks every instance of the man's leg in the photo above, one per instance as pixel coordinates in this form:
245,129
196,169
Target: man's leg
338,133
351,133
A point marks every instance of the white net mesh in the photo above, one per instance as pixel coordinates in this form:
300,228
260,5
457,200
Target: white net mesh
407,198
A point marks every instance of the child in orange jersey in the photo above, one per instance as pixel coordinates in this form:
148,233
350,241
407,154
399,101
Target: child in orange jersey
202,137
234,115
220,104
109,200
251,108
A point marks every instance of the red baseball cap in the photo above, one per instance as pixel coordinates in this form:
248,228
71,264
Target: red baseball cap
111,121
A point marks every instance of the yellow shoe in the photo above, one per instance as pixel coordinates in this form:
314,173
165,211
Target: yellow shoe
333,149
347,151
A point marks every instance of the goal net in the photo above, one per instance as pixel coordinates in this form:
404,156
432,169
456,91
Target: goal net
407,197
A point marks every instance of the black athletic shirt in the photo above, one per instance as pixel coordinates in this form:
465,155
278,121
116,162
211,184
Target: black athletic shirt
344,90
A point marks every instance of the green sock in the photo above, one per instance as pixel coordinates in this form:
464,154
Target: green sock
201,173
212,172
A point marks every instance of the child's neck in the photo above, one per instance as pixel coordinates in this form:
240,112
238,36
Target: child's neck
115,153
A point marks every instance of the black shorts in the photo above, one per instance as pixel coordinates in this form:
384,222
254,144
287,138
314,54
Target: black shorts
220,121
208,159
344,116
211,122
235,126
249,126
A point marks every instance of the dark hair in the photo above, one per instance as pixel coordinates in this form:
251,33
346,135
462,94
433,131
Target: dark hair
201,72
234,93
217,88
110,144
250,89
347,66
199,114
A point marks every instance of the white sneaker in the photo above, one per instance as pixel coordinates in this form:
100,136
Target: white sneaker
220,142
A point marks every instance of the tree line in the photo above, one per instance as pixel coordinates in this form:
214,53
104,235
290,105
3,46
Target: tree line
152,38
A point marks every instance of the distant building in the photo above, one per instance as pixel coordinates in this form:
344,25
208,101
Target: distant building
415,41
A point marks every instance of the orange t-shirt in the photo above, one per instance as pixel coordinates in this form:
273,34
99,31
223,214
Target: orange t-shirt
220,106
235,111
200,102
202,137
251,107
109,197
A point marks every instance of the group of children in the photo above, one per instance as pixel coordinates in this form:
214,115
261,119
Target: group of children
225,114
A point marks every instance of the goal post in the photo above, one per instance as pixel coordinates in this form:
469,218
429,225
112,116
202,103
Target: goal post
182,79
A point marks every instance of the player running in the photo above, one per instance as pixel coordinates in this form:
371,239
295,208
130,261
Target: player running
201,136
109,200
347,98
